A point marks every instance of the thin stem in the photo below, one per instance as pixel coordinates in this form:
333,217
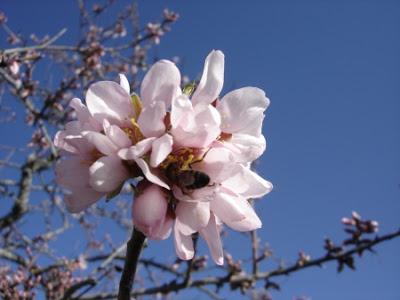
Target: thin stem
134,247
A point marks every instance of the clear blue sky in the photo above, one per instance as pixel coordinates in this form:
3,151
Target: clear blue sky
332,72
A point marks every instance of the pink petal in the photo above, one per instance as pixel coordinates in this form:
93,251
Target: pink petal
124,83
161,84
149,175
81,110
199,132
137,150
80,200
71,173
59,142
212,80
101,142
183,245
73,128
228,207
107,174
81,146
116,135
165,230
149,210
160,149
191,216
245,147
151,119
247,183
108,100
211,234
207,116
242,111
182,113
217,164
74,175
250,222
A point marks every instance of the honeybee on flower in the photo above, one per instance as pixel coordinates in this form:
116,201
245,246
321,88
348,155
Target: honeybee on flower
192,148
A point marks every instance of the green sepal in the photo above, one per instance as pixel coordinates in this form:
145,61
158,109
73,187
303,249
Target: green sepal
189,88
137,104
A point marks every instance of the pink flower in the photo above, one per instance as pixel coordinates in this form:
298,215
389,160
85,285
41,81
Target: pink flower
92,154
193,151
225,201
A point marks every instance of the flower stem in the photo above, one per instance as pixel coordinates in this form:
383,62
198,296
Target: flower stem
133,249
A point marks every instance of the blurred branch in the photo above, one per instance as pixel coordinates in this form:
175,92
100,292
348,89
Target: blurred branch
37,47
240,279
20,206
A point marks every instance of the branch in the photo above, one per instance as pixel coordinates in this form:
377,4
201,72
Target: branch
37,47
237,280
134,247
20,206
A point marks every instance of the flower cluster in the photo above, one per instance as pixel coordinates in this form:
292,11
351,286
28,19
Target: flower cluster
192,148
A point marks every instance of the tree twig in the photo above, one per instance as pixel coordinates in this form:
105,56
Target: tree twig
234,280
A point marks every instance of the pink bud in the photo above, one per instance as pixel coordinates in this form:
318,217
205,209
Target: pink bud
149,211
347,221
14,67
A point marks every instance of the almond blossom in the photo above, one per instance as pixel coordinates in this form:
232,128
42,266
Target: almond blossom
192,150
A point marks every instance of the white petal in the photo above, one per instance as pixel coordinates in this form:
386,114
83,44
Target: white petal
116,135
107,174
191,216
81,110
160,149
212,80
161,83
81,146
247,183
80,200
124,83
71,173
245,147
217,164
101,142
74,175
251,222
229,207
242,111
137,150
183,245
149,175
200,132
151,119
108,100
182,113
211,234
165,230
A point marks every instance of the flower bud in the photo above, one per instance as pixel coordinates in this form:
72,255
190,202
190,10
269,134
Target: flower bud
149,211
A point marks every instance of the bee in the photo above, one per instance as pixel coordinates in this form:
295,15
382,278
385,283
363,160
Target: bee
186,179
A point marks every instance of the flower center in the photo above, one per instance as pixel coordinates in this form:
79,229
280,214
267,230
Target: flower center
177,168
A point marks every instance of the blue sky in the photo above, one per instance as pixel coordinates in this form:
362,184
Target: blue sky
332,72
